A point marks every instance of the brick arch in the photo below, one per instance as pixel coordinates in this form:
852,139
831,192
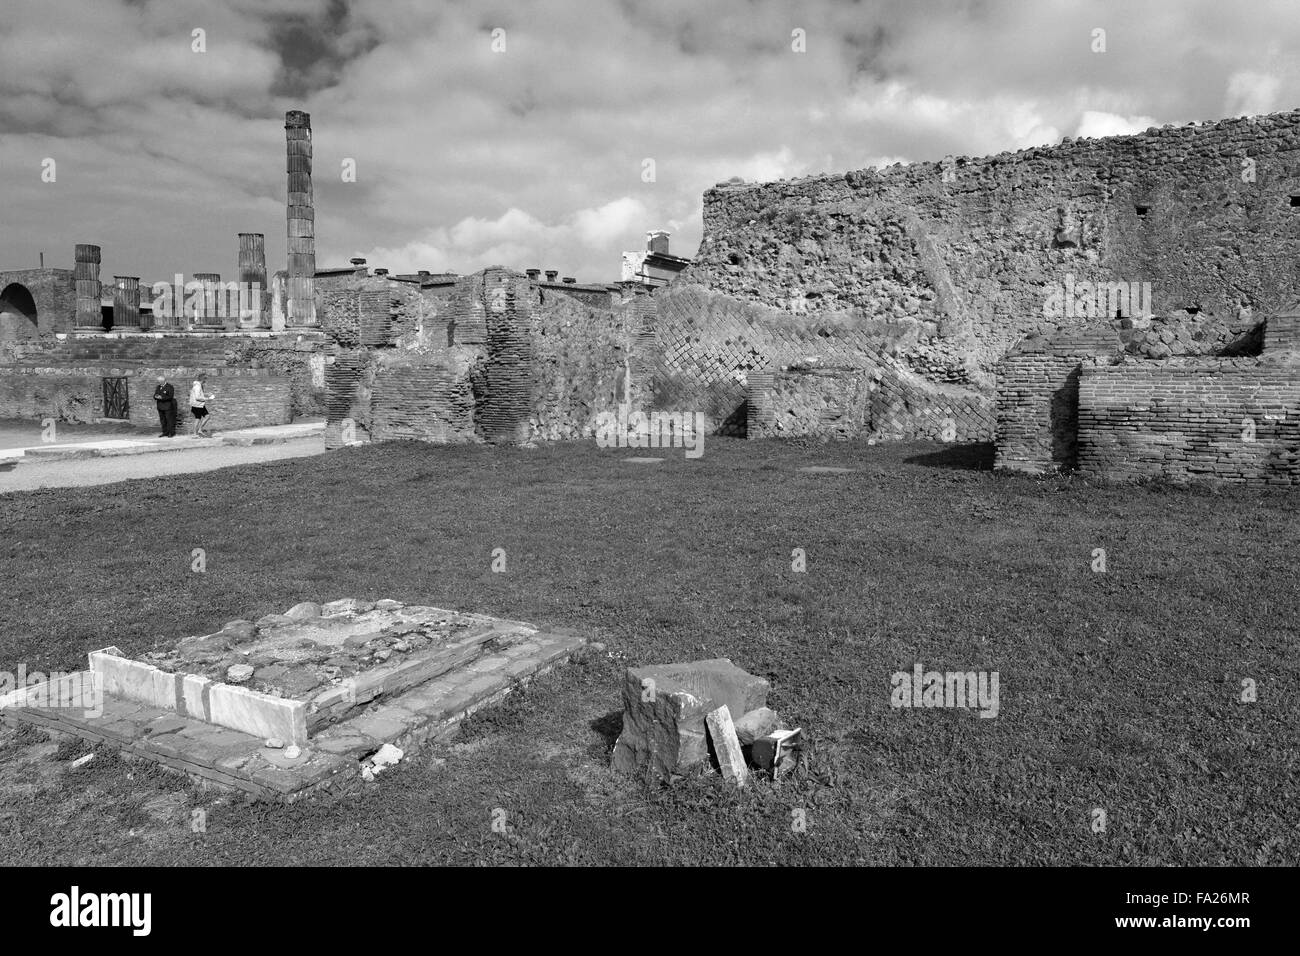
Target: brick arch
17,312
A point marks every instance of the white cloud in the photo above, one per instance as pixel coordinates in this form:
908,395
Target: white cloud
1096,123
1251,92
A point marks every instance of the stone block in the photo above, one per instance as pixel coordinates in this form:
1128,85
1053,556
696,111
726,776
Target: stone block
664,711
755,724
194,696
123,677
304,611
726,746
260,715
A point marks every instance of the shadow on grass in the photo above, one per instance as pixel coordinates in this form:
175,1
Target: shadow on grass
975,457
609,727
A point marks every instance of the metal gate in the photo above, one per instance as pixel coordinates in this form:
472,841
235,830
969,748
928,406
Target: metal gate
116,403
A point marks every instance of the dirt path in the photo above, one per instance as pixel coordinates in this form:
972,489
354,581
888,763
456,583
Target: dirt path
29,475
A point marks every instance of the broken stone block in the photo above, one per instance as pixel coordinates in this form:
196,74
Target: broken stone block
664,710
205,649
387,604
303,611
727,746
239,673
755,724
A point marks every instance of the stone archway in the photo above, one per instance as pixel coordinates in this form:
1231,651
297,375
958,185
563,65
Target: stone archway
17,313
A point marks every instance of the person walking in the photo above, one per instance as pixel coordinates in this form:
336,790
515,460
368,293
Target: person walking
199,404
165,396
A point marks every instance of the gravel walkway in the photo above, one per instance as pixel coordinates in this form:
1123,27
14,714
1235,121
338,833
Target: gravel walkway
30,474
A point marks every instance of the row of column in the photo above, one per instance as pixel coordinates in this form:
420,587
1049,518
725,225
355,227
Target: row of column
126,295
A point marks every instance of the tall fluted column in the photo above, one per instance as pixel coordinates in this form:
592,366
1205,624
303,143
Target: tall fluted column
90,290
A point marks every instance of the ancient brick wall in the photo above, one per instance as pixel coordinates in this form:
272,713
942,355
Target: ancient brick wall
1038,397
428,400
1282,332
973,249
349,383
504,398
1234,420
579,357
298,357
54,294
245,397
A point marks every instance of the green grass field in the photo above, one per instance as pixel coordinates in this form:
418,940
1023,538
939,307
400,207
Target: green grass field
1119,691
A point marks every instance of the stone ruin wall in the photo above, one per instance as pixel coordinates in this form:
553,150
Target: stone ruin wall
61,377
245,397
948,266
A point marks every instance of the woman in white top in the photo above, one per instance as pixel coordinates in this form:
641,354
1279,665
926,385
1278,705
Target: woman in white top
199,404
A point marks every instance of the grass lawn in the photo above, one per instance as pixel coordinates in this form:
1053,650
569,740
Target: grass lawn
1118,690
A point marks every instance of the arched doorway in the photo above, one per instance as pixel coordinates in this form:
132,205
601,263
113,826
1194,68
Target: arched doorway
17,313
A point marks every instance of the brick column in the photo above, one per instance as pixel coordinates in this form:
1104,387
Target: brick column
89,289
126,302
300,292
252,271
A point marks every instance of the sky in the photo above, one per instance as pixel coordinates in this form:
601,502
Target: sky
554,134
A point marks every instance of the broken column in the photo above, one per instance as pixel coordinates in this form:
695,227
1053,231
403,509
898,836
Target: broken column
209,314
665,708
126,302
90,291
252,280
300,293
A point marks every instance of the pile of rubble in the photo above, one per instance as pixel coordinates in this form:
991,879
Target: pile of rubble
679,718
312,646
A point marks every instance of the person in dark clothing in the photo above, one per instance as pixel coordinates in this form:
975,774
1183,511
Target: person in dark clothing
165,396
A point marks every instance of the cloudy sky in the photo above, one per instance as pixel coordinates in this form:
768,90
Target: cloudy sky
533,154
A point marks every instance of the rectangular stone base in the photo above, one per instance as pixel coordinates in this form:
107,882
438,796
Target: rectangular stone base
331,757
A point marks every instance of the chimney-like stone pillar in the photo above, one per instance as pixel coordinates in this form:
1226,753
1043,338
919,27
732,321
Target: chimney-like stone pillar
359,265
252,278
209,315
90,290
300,292
552,275
657,242
126,302
533,274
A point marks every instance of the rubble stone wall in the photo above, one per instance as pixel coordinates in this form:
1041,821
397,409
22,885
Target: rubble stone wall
973,248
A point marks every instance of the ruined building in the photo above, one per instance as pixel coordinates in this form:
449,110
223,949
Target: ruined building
1120,305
